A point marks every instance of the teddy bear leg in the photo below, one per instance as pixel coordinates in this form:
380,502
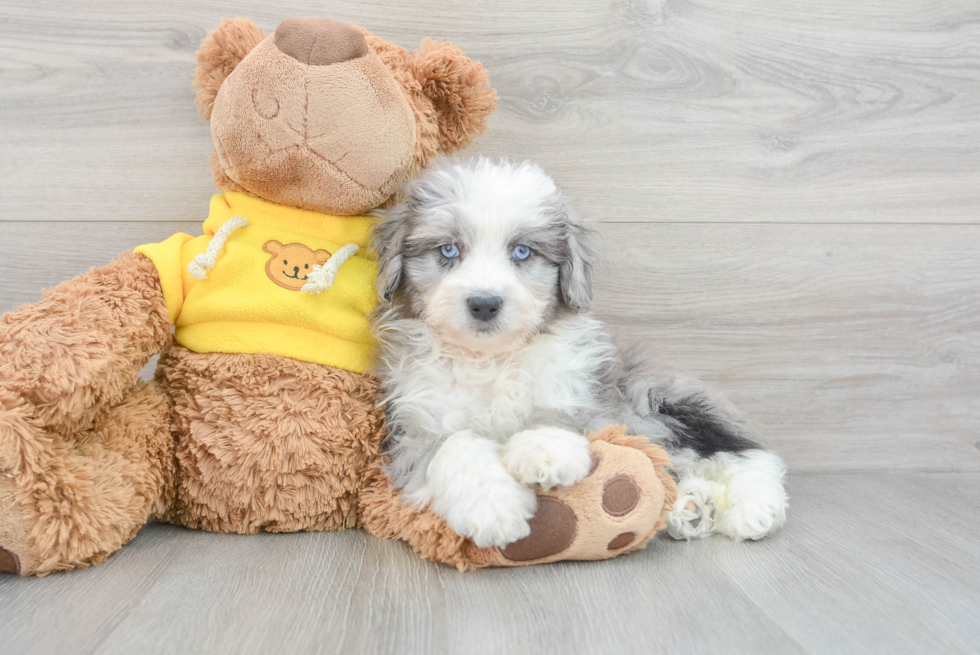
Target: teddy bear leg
68,405
617,509
70,502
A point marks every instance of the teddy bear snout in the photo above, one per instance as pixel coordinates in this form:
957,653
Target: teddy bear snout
320,41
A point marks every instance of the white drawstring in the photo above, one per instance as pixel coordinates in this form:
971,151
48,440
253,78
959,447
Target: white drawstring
204,262
321,277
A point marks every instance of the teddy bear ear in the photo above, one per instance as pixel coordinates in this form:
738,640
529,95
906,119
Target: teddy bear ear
272,247
459,90
322,256
220,52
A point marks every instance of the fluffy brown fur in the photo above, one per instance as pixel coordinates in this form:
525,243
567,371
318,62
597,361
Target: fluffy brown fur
453,84
267,443
76,500
449,96
84,455
79,350
220,52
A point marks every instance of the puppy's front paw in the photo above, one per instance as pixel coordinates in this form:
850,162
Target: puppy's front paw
469,487
496,517
547,457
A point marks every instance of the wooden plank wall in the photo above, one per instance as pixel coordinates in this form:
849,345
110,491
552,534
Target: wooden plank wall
788,193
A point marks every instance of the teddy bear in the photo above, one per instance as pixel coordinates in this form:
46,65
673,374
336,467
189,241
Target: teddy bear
263,415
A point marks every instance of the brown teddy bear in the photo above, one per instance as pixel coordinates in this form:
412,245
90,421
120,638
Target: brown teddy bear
262,415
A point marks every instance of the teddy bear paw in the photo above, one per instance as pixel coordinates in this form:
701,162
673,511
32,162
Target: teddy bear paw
614,509
18,555
9,562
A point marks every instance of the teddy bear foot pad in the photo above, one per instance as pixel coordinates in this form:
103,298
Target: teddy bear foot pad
9,562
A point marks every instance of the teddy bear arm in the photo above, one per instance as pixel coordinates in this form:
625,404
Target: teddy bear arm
79,350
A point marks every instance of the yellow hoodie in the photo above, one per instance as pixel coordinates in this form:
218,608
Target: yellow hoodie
251,302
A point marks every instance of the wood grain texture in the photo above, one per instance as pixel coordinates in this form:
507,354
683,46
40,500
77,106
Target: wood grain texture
646,110
849,347
789,197
870,562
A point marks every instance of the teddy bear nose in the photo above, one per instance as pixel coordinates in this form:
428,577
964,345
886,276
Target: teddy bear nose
320,41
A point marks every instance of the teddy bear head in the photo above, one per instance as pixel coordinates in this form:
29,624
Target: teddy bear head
324,115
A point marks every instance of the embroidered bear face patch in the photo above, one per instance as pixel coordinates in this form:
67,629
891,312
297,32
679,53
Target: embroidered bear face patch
290,264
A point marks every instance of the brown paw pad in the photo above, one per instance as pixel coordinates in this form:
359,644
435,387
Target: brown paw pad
620,495
621,541
9,562
553,529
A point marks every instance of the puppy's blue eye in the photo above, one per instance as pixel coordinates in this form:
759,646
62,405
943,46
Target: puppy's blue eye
449,251
522,252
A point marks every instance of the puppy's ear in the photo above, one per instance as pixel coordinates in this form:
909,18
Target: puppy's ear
459,90
387,240
575,269
220,52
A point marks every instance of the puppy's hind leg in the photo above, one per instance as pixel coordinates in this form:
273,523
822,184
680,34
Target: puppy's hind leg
740,495
719,469
727,483
757,499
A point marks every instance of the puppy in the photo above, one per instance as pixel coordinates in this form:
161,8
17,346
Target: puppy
492,366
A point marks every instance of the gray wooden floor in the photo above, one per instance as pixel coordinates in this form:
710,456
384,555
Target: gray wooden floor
869,563
789,199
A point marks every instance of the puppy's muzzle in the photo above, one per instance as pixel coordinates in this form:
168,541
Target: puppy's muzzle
484,308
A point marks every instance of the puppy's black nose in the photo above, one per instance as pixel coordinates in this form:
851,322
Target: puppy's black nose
484,308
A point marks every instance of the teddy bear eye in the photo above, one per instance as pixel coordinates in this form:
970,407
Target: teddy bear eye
306,265
284,262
